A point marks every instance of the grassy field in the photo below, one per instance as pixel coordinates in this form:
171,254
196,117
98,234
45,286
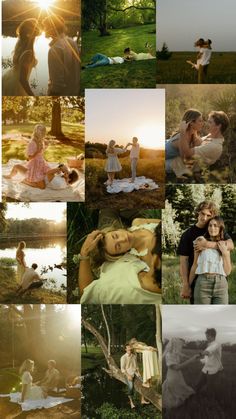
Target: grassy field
8,286
176,70
141,74
203,405
57,150
98,197
171,282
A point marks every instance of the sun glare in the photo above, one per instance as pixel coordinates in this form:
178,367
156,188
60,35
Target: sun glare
74,315
45,4
149,136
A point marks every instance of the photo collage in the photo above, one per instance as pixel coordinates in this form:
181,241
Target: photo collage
118,209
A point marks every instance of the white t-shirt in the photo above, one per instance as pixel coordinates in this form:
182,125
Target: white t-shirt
210,150
28,277
213,360
206,56
134,152
128,364
116,60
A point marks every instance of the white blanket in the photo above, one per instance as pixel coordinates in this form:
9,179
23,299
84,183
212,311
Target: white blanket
125,185
12,188
36,404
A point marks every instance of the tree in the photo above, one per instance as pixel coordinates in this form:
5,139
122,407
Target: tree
164,54
116,373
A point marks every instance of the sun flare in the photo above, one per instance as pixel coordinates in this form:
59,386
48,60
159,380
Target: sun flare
45,4
149,136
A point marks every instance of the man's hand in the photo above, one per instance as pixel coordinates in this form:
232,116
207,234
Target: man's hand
200,245
185,291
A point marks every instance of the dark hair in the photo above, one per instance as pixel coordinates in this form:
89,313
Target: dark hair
56,23
207,205
211,332
126,50
199,43
73,177
34,266
221,225
220,118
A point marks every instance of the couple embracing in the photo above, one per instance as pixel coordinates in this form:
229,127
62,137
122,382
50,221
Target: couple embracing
113,165
63,59
175,389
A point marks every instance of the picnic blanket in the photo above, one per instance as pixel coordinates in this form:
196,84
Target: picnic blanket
36,404
125,185
12,188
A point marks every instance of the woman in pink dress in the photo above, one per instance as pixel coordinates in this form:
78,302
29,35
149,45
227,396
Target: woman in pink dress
36,167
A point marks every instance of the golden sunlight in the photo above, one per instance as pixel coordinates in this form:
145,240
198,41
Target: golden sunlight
74,316
149,136
45,4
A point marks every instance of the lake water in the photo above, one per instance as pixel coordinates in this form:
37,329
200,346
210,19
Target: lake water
39,74
45,253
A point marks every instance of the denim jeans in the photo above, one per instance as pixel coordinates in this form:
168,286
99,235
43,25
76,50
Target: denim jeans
98,60
211,289
130,384
134,163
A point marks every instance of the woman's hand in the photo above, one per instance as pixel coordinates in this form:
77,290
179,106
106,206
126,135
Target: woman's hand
91,242
186,291
222,246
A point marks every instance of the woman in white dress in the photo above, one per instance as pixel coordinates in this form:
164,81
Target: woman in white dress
20,259
149,359
29,390
128,262
174,389
15,81
112,164
212,267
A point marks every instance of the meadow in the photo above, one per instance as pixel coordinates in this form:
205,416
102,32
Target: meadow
139,74
171,282
175,70
203,405
98,197
57,150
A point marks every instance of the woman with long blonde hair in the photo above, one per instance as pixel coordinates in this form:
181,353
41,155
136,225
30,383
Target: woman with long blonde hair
29,390
15,81
113,165
20,259
36,167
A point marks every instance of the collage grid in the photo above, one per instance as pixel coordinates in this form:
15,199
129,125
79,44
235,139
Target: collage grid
117,216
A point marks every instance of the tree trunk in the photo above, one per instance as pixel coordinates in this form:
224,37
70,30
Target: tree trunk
56,130
116,373
158,336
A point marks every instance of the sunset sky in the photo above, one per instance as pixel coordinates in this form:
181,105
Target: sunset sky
180,23
120,114
48,211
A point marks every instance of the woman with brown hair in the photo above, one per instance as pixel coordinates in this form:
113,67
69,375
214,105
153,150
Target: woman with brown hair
15,81
212,267
20,259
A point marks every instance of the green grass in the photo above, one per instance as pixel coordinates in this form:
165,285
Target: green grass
8,286
57,150
171,282
176,70
140,74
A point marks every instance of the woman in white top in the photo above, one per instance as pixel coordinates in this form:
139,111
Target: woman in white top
174,389
29,390
128,261
212,267
20,260
15,81
149,359
112,164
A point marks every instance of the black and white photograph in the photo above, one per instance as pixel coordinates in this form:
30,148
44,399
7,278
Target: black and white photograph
199,371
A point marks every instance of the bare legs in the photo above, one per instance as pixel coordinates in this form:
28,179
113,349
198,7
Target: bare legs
17,168
111,177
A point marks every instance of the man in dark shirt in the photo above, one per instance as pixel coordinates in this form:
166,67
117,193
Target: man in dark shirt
204,212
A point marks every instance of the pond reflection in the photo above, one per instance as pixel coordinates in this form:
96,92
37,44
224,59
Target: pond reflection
47,254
